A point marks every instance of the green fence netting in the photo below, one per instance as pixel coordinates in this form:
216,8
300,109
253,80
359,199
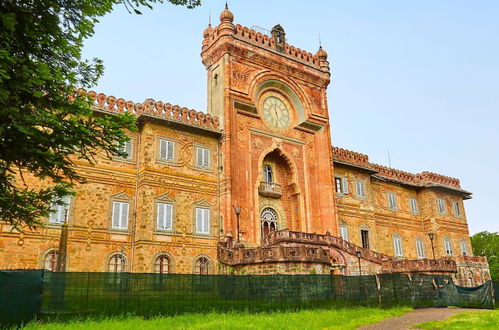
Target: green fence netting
496,290
20,295
67,295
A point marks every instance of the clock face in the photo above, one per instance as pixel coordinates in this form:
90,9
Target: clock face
275,112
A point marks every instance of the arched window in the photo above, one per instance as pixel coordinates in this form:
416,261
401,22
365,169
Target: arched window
202,266
269,221
162,264
117,263
50,261
268,175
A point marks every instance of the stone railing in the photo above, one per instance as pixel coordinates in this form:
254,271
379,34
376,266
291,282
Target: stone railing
153,108
475,259
387,262
420,265
288,236
244,256
270,189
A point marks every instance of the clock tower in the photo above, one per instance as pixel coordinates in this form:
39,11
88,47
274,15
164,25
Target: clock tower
276,149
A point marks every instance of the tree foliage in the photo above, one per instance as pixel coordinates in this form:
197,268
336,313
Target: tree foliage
44,123
486,244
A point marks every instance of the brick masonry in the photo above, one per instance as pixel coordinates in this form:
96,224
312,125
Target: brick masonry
245,67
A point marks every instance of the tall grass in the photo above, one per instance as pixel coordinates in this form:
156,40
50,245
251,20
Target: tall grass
308,319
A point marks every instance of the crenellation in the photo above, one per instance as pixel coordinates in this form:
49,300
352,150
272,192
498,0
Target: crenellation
266,194
153,108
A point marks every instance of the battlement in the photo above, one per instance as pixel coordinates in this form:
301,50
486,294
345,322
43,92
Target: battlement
243,33
419,179
153,108
350,156
439,179
398,175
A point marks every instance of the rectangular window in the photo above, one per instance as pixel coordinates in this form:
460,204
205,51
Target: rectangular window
392,201
344,232
127,148
344,185
464,248
337,184
420,248
58,212
120,215
441,205
397,246
164,217
457,211
360,186
202,220
267,173
414,205
203,157
448,247
166,149
364,235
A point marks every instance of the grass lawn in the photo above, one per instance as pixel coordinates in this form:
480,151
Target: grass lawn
480,320
307,319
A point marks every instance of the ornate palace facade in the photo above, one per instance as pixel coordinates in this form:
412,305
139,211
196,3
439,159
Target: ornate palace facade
254,186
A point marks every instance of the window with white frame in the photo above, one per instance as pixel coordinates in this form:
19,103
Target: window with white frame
420,248
127,148
457,211
166,150
414,205
448,247
361,189
58,212
397,246
337,185
464,248
202,220
441,205
120,215
164,216
341,185
344,232
50,260
117,263
203,157
392,201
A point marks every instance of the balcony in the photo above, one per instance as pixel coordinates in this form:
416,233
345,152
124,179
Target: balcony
270,189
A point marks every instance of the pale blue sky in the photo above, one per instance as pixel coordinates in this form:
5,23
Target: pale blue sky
417,78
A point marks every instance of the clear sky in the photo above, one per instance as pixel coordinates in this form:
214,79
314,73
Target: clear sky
417,79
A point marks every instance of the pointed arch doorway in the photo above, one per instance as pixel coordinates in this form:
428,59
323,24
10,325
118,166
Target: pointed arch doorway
269,221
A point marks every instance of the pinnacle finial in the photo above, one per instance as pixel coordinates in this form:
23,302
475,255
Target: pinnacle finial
226,16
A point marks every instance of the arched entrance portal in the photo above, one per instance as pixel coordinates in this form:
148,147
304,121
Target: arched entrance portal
268,219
